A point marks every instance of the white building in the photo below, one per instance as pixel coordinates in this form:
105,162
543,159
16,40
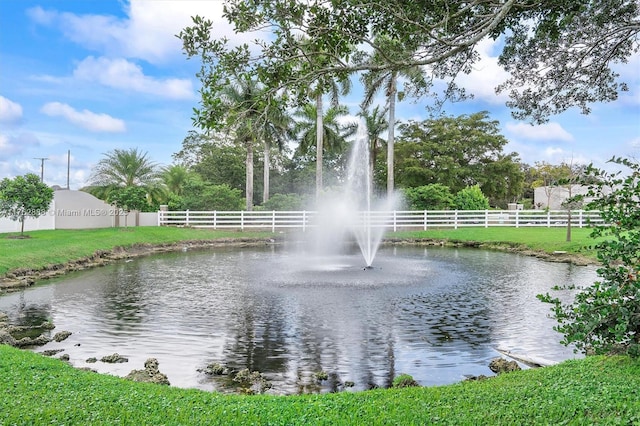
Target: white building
552,197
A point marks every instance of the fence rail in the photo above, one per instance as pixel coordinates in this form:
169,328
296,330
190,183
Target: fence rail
393,220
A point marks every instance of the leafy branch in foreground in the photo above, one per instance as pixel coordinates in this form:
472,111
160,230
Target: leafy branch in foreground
605,317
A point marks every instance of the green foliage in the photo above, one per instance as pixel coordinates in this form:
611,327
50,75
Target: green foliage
202,196
428,197
605,317
404,381
125,168
24,196
596,390
471,198
285,202
129,198
457,152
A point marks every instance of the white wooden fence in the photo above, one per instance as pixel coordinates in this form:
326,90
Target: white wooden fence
393,220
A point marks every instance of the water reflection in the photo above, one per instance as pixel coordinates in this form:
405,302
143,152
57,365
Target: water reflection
437,314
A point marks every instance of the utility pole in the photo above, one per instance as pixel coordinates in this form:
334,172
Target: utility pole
42,160
68,166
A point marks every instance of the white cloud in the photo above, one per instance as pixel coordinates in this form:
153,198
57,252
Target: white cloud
486,74
148,31
634,144
122,74
15,144
10,112
547,131
85,119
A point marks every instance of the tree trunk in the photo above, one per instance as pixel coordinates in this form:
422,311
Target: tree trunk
265,159
319,146
249,181
390,141
22,225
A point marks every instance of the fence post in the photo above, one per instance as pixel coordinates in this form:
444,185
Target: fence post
187,218
486,218
425,220
580,218
517,219
455,220
304,221
548,218
395,221
273,221
242,220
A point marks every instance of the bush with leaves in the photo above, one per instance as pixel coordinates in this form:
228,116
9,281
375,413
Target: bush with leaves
471,198
284,202
434,196
24,196
604,318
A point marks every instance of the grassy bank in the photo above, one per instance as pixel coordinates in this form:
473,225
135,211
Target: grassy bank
54,247
39,390
44,248
542,239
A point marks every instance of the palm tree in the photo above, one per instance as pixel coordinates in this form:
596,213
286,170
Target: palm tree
376,125
122,168
334,88
387,80
243,97
174,178
332,132
276,129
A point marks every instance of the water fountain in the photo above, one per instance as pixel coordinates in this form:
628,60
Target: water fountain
351,214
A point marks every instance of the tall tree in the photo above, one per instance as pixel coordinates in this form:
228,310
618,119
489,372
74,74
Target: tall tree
334,88
333,131
244,100
454,151
277,128
387,81
376,125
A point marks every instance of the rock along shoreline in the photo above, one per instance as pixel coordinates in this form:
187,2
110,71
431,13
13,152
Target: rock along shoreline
24,277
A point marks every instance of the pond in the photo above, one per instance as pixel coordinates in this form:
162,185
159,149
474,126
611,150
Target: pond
435,313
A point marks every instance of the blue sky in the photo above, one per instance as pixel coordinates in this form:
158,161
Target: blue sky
90,76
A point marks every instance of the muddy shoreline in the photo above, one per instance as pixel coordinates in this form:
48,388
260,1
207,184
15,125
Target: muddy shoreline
24,277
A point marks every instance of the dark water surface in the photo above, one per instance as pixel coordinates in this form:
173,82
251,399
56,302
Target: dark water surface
434,313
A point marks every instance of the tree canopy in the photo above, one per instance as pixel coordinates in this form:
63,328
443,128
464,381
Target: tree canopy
458,152
24,196
559,52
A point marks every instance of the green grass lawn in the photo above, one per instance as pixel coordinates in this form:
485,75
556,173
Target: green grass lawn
599,390
52,247
543,239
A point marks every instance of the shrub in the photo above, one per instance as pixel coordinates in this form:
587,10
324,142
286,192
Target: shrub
605,317
471,198
428,197
284,202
